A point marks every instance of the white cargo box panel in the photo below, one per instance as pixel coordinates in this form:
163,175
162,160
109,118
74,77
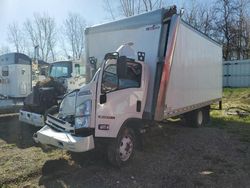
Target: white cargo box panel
15,75
143,31
196,71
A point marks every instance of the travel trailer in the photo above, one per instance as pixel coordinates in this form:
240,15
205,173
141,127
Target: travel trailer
15,81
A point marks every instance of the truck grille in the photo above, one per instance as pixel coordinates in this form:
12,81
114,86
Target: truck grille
59,124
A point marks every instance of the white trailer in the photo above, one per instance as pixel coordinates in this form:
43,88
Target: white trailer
156,66
15,80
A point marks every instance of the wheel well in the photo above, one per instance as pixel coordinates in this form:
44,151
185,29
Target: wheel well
133,123
137,125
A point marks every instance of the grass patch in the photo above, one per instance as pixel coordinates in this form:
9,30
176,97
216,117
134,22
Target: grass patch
19,165
233,123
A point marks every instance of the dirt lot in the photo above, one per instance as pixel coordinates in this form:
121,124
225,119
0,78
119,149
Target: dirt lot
174,156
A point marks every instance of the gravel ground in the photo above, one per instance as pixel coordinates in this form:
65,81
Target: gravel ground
173,156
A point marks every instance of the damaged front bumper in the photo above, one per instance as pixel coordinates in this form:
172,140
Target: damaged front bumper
63,138
31,118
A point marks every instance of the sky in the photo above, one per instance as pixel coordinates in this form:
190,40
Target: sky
19,10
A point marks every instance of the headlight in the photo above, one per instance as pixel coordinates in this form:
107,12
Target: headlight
82,122
83,112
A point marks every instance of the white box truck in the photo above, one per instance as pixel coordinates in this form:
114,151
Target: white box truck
162,68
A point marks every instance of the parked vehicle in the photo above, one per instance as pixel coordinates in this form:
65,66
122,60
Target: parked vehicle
15,81
162,68
64,76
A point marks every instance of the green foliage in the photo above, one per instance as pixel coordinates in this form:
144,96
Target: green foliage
233,123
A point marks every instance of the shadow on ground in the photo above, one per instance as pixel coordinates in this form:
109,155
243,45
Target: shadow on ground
13,131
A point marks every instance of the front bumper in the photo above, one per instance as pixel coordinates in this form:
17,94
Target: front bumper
64,140
31,118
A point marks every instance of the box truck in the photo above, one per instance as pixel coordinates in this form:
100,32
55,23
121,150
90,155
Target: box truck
154,66
63,77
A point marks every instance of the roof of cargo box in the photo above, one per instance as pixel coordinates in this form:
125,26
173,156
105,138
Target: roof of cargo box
14,58
149,18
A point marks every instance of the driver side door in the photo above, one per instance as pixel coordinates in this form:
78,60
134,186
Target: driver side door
117,100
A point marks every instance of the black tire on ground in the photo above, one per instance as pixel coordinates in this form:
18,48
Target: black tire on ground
206,110
122,149
197,118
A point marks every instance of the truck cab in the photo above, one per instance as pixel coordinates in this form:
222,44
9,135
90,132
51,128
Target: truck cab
116,94
70,73
62,77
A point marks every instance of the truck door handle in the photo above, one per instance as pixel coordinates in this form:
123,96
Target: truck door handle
103,98
138,106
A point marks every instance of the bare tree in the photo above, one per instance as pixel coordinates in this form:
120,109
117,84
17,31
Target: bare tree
16,37
225,25
242,30
226,21
42,32
73,32
200,16
129,8
109,9
4,50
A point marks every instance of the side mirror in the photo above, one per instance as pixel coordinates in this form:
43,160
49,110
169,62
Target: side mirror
113,55
122,67
103,98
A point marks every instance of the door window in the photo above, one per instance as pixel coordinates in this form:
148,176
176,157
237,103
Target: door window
112,82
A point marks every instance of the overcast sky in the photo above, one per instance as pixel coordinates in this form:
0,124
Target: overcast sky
19,10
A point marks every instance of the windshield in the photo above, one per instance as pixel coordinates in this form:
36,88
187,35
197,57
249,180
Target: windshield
61,69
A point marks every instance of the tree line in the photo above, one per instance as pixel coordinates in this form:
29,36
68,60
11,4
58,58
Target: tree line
51,41
226,21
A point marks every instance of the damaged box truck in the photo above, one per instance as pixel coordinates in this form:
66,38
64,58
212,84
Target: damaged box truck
152,66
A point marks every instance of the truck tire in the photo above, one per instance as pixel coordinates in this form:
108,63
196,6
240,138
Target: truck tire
196,118
122,149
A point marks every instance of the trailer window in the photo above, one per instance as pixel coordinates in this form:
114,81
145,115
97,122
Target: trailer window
5,71
79,70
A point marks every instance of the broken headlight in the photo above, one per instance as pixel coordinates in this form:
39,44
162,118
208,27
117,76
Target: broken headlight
83,114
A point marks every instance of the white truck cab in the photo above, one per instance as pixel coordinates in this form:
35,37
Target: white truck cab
120,83
70,74
162,68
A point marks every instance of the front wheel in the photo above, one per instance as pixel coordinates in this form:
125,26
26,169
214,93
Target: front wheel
121,150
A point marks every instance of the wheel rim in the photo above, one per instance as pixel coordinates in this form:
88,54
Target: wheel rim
126,148
200,117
